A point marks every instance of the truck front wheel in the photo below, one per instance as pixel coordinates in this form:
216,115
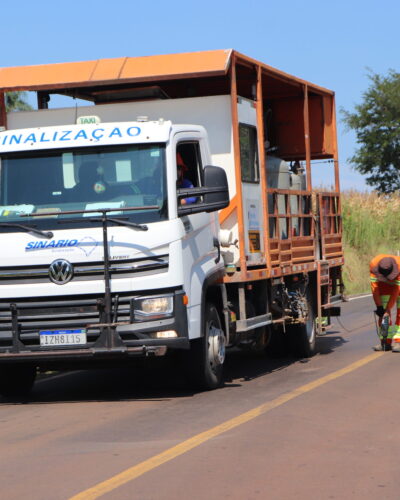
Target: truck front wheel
16,380
208,352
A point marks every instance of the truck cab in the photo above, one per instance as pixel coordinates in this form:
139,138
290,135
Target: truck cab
113,263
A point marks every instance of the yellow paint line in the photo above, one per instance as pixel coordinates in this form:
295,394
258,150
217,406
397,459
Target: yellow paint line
181,448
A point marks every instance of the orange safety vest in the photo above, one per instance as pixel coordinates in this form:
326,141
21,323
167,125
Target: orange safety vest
382,286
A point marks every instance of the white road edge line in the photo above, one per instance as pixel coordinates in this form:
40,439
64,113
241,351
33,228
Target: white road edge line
360,297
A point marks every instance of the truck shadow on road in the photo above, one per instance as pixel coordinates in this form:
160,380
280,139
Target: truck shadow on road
157,380
328,343
247,366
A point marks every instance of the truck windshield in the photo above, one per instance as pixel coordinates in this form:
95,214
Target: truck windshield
83,179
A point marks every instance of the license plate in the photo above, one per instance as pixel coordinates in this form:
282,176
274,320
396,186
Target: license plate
53,338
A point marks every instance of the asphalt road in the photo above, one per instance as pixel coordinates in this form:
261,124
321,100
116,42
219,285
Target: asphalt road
323,428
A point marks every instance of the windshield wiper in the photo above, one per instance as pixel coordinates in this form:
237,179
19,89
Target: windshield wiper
29,229
122,222
99,219
90,218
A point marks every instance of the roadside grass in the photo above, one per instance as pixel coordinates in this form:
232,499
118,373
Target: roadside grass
371,225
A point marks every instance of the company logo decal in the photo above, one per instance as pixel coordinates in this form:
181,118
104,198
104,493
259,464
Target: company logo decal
61,271
86,244
39,245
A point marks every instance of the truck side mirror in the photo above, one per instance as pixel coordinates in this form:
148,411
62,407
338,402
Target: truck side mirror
212,196
215,177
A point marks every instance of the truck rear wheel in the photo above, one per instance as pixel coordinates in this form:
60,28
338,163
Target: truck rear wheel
207,354
16,380
303,336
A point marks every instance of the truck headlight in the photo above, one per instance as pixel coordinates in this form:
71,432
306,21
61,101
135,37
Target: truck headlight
153,307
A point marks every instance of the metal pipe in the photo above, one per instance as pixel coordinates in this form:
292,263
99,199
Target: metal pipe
107,291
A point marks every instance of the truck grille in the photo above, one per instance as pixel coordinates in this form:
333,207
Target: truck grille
86,271
58,313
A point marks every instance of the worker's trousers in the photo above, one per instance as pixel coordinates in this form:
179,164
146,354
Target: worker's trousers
396,327
394,330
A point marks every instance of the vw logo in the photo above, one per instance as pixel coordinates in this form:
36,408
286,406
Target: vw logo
61,271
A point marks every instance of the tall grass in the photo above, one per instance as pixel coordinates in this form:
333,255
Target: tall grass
371,225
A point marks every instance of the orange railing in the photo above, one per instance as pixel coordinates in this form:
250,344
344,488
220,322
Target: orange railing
330,225
291,227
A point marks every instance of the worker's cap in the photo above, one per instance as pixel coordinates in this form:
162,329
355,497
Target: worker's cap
387,268
180,163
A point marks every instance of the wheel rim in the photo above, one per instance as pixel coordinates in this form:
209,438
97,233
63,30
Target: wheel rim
310,328
216,346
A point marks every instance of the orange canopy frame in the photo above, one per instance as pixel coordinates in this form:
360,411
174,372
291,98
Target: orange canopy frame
131,70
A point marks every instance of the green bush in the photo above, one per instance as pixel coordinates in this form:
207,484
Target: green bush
370,226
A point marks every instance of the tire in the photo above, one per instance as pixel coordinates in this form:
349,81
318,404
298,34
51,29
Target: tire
207,354
303,336
17,380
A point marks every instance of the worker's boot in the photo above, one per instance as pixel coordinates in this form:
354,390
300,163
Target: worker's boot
384,347
396,339
396,347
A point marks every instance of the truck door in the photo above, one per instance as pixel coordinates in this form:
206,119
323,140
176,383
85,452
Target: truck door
199,250
251,187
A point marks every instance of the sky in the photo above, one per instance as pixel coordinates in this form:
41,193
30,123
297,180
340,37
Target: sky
331,44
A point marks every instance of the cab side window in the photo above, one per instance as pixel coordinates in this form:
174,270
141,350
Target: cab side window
189,154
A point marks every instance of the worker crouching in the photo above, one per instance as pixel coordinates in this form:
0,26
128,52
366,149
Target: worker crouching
385,281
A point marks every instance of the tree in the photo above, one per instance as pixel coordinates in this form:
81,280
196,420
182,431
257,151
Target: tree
376,122
15,101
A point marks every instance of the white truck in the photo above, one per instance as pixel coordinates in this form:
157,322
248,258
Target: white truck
107,256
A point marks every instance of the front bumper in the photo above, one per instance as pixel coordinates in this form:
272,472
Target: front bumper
124,337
